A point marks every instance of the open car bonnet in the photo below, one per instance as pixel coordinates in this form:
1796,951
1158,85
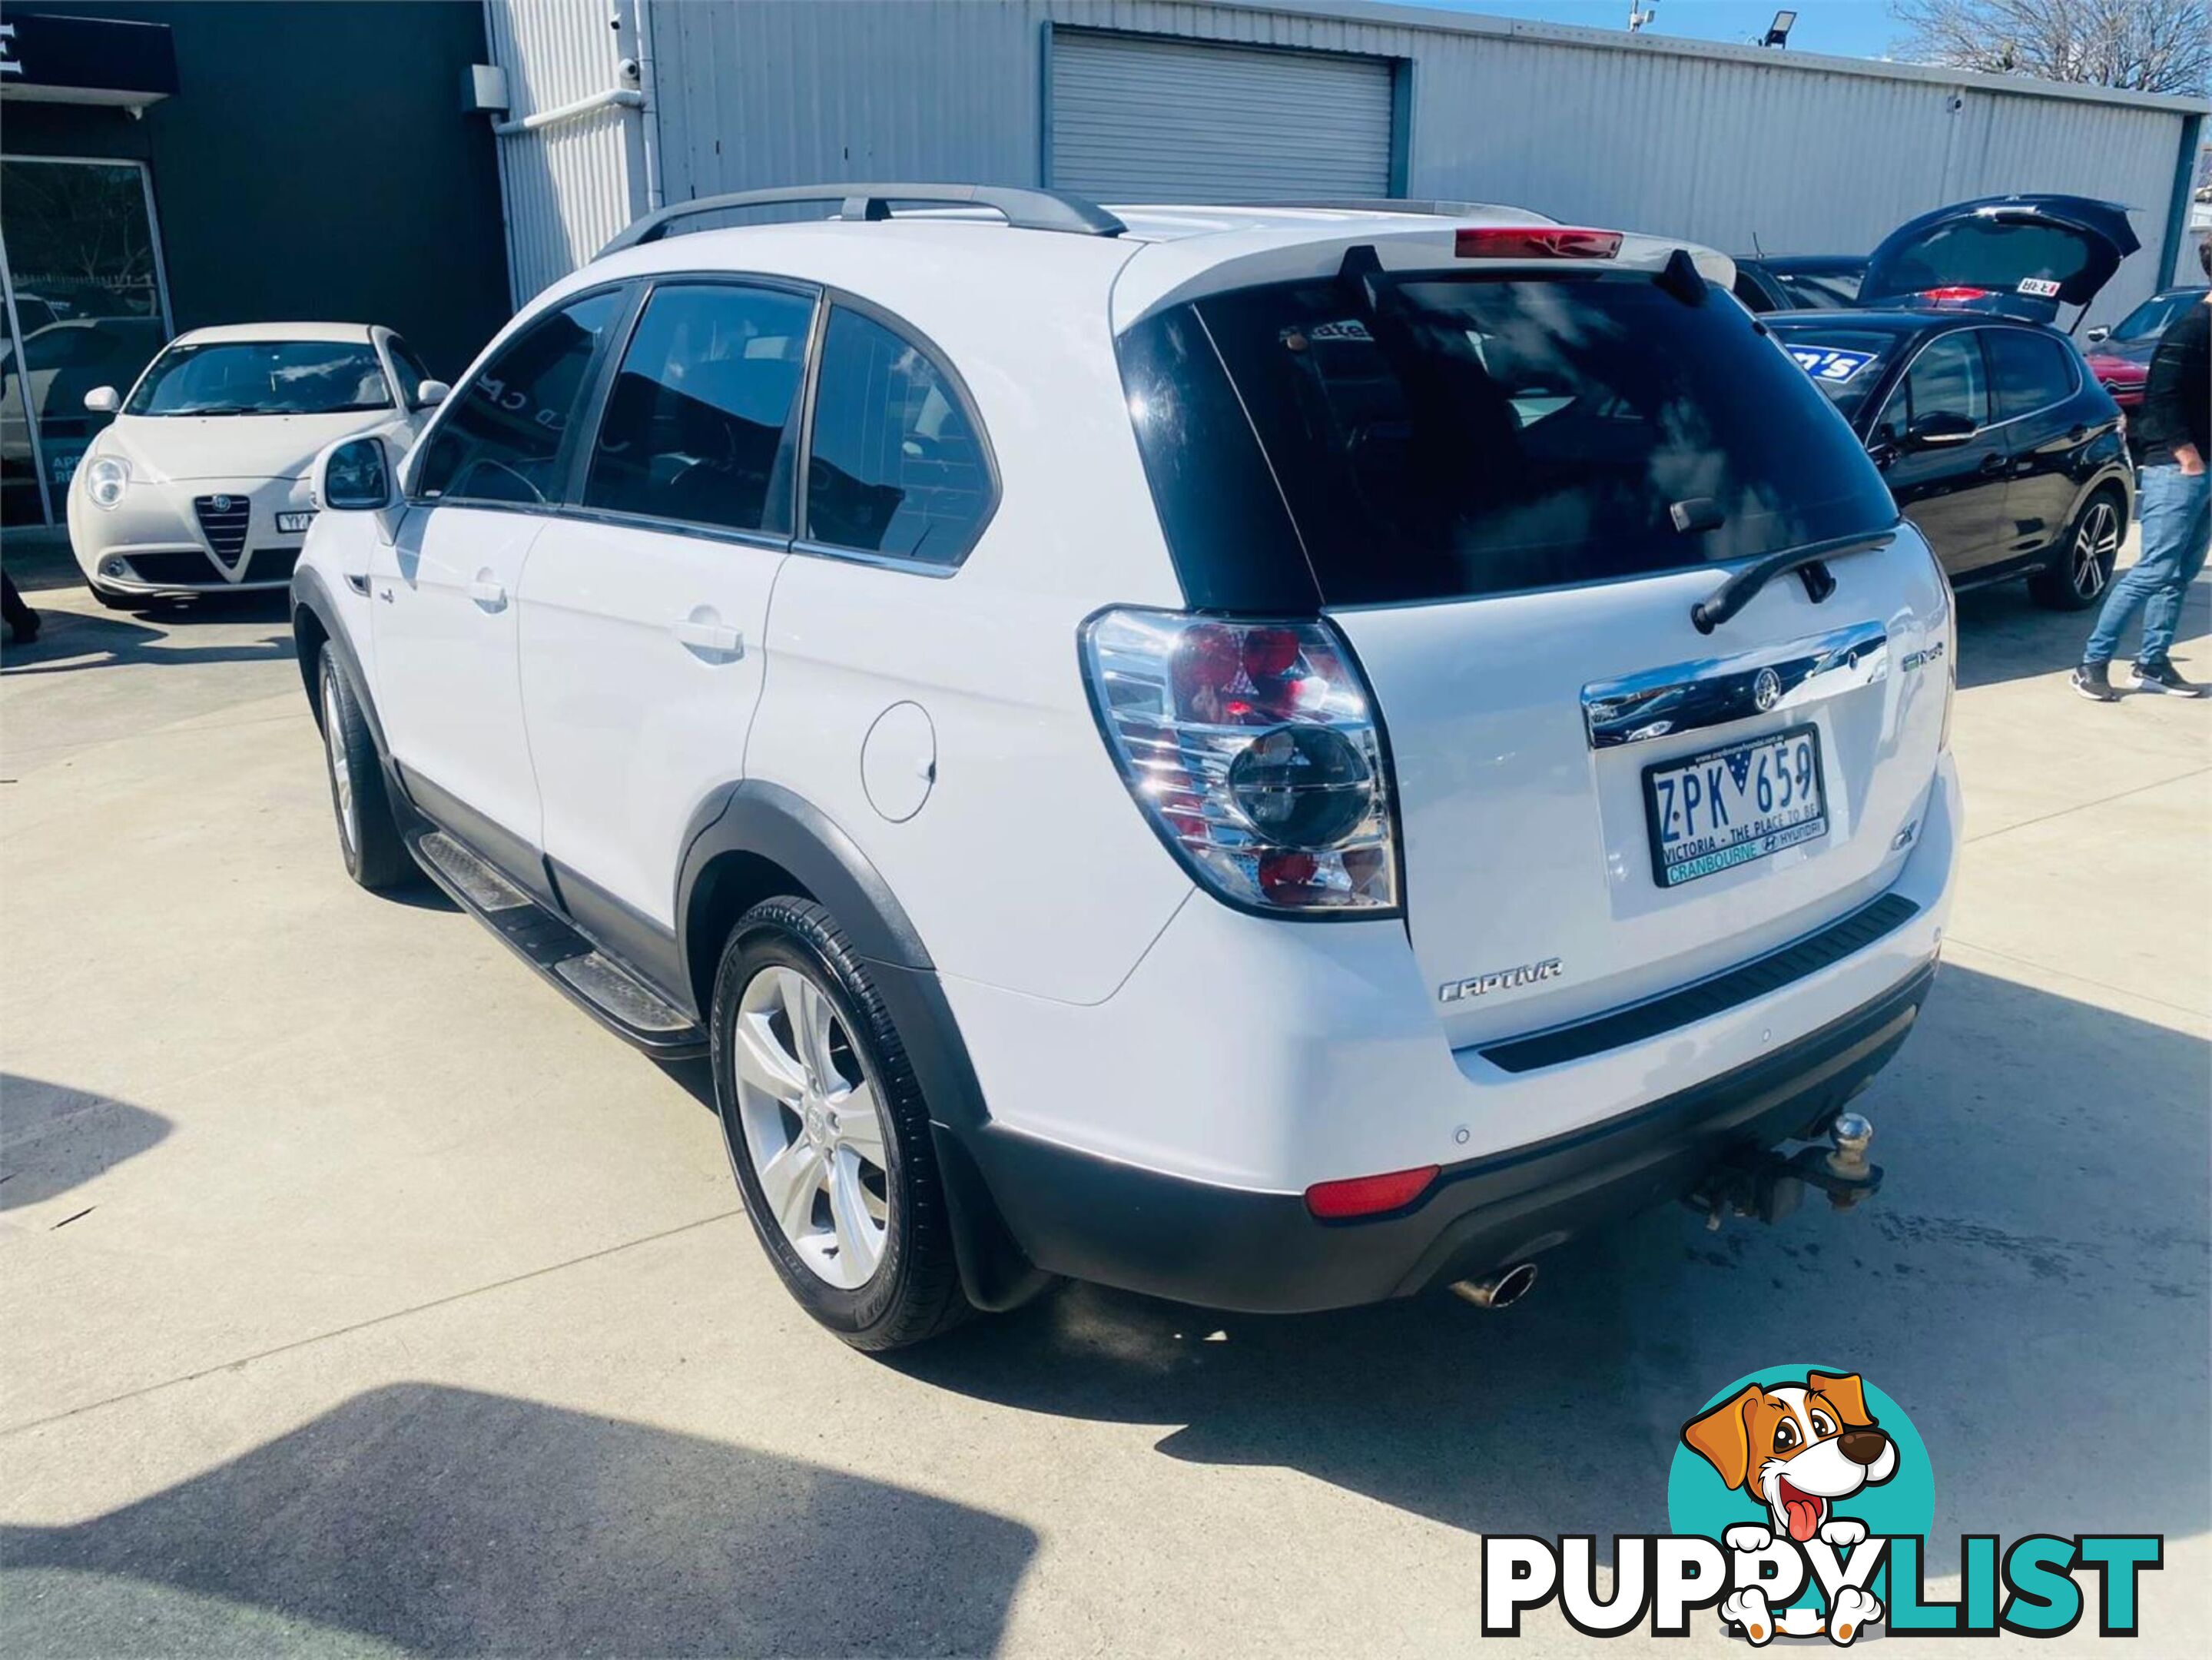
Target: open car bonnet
2019,256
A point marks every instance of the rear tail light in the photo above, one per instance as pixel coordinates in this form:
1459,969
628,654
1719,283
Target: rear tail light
1368,1195
1252,750
1536,242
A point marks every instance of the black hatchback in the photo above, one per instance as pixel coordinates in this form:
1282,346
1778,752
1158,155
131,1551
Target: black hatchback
1993,435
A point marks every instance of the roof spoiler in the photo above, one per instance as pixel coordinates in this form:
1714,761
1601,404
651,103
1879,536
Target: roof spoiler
1023,209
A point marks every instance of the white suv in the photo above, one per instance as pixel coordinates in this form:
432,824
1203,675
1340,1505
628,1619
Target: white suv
1271,758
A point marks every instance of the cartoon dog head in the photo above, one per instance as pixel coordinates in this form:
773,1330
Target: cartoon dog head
1798,1447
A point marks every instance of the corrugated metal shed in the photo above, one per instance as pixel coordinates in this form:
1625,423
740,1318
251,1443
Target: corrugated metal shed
570,185
1736,146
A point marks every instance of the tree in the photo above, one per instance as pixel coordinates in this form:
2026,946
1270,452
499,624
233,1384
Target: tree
2140,45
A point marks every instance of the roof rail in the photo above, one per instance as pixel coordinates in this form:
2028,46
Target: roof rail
1023,209
1402,205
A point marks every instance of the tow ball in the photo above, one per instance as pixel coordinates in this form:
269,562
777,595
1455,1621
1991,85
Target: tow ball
1763,1183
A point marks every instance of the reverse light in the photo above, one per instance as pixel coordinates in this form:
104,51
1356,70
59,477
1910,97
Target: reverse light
1252,750
106,478
1368,1195
1536,242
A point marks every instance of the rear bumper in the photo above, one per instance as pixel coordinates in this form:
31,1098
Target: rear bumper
1090,1218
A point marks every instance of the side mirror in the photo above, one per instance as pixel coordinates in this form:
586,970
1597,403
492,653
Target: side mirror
431,394
1939,430
103,400
2100,332
352,475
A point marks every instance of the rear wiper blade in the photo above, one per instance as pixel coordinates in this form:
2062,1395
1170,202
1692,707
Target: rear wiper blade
1733,595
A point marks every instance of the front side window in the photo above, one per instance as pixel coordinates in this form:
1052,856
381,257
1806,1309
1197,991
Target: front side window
697,428
2031,371
500,440
1947,379
896,466
1472,436
263,377
409,368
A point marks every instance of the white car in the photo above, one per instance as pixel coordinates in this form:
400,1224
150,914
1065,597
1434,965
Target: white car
1272,757
199,485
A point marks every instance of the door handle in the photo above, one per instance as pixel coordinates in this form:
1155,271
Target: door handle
1995,463
703,636
488,592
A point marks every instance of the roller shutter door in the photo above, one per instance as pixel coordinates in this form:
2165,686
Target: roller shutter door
1144,119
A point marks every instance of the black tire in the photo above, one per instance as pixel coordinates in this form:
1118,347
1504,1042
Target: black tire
914,1292
2081,568
368,839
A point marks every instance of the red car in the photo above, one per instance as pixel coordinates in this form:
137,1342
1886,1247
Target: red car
2120,357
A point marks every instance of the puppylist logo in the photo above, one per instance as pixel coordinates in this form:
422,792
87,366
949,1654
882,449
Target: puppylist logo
1800,1504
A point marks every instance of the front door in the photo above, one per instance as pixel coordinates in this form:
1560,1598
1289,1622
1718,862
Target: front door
1942,457
444,591
644,614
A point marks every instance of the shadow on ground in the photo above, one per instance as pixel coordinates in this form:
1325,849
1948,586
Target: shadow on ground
2004,634
445,1521
1975,1289
53,1138
70,640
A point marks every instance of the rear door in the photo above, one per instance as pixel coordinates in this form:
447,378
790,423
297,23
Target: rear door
645,612
2035,376
1511,488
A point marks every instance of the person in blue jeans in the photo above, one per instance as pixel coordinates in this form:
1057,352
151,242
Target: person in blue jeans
2174,506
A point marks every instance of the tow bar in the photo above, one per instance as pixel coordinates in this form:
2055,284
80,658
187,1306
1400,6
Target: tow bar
1764,1185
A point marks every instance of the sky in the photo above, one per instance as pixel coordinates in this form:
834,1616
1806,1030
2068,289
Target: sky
1845,28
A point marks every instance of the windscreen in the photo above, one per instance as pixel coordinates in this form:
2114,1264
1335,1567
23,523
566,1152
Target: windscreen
2151,319
1846,363
263,377
1470,436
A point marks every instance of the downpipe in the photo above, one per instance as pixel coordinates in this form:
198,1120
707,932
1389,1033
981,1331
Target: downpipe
1501,1289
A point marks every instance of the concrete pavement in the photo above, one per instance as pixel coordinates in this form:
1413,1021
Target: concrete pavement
360,1296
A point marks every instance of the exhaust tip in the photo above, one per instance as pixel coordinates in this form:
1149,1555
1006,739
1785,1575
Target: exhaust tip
1501,1289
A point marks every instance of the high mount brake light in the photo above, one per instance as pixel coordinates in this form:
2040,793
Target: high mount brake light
1953,295
1252,750
1536,242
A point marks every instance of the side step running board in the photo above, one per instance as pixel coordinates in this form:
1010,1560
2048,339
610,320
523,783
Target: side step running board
609,993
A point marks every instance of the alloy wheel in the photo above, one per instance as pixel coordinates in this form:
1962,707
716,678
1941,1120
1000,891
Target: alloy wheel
2096,545
812,1126
341,772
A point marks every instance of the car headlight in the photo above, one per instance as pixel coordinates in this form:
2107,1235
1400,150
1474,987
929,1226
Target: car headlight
106,478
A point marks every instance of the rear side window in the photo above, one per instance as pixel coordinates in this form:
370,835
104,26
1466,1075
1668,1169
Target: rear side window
896,465
501,441
697,425
1948,378
1479,434
2031,371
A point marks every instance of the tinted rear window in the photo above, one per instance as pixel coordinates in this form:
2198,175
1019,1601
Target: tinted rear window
1475,436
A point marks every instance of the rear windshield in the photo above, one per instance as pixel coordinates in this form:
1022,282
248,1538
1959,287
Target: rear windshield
1846,363
1812,289
1480,435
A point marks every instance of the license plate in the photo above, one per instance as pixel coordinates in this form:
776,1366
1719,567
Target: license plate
291,524
1730,806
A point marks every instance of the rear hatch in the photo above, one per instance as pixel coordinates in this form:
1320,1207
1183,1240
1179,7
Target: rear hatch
1508,487
2018,256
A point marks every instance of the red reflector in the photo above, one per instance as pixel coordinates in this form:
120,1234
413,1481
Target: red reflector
1953,296
1536,242
1368,1195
